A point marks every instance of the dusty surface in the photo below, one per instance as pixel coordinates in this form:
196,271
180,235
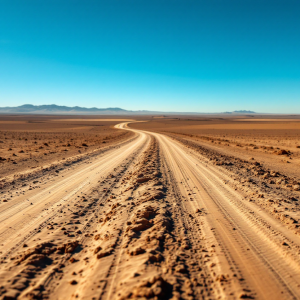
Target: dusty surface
173,215
29,142
260,138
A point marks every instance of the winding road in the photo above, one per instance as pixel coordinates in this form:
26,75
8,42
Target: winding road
258,255
251,240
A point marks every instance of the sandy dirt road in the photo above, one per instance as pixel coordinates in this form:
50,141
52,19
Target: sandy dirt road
148,219
250,241
252,244
27,212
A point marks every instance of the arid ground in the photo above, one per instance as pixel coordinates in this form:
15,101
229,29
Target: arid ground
175,207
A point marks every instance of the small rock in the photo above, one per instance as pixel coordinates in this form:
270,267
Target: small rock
296,187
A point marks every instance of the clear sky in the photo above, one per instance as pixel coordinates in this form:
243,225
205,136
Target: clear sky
205,56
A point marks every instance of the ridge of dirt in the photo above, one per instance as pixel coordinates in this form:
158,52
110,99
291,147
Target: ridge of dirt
153,255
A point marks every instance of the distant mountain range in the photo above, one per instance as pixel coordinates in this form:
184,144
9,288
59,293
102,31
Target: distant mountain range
66,110
240,112
76,110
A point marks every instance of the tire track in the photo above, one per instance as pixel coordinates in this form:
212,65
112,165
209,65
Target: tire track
245,235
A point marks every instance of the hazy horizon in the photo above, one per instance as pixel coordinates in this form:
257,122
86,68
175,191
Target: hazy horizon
183,56
47,109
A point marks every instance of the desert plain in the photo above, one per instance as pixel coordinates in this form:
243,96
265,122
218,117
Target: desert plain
148,207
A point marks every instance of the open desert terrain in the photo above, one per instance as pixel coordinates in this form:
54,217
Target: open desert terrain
177,207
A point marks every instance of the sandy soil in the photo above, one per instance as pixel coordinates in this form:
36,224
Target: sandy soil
32,142
236,136
156,215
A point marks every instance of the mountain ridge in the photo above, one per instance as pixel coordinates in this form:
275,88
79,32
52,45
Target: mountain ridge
61,109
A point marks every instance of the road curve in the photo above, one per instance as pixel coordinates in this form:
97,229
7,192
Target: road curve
250,239
147,219
29,212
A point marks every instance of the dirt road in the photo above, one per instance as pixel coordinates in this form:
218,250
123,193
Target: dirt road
147,219
250,242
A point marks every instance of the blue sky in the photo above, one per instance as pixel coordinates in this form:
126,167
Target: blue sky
206,56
